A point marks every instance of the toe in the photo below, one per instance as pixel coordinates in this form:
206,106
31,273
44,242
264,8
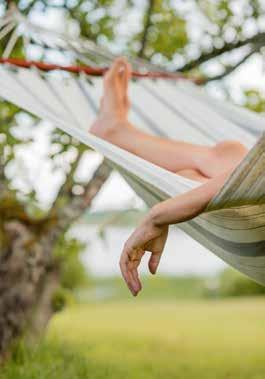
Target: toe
127,74
111,75
125,84
117,76
115,88
123,70
112,79
116,67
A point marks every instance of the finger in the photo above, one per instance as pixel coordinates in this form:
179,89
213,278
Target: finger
126,272
125,277
132,271
132,262
132,285
135,257
137,280
156,248
154,262
123,267
128,280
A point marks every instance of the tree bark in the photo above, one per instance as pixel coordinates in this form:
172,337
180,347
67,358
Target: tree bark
22,267
27,278
43,308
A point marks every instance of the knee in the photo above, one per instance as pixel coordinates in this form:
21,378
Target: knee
230,148
229,154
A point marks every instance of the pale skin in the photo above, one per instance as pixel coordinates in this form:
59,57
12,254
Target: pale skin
209,165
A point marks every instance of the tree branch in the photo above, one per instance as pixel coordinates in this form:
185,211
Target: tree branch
146,28
229,69
78,204
257,39
3,186
66,188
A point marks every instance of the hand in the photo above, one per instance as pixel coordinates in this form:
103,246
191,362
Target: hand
151,235
147,237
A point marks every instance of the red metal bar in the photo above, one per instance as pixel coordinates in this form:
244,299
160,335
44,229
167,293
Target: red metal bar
93,71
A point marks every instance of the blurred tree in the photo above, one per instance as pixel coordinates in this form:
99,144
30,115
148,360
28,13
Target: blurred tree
254,100
32,271
233,283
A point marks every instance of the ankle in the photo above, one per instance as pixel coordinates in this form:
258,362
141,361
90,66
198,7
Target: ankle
109,128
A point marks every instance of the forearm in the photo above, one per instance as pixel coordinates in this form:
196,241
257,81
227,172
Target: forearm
188,205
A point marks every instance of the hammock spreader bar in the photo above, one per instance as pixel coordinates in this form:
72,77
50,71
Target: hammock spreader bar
93,71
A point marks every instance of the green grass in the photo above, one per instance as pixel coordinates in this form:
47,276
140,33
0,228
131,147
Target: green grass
139,339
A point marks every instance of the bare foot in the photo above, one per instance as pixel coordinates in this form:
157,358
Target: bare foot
114,105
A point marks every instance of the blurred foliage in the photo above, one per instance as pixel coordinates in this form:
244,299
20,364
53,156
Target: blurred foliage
67,254
18,50
166,32
95,18
158,288
8,140
232,20
232,283
61,299
254,100
229,283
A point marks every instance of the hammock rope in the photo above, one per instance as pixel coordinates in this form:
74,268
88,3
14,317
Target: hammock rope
93,71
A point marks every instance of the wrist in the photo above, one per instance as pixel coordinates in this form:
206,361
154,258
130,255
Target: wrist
154,216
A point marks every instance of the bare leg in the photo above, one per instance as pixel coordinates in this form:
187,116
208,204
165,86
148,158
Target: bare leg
189,160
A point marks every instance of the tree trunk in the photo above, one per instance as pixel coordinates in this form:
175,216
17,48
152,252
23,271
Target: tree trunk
23,268
27,278
43,307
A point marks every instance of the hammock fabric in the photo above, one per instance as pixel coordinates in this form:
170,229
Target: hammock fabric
234,225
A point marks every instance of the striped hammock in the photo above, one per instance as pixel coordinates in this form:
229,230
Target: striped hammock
233,227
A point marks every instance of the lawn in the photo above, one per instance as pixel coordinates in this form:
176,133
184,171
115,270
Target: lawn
139,339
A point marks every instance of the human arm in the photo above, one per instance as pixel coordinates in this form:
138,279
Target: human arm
152,233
